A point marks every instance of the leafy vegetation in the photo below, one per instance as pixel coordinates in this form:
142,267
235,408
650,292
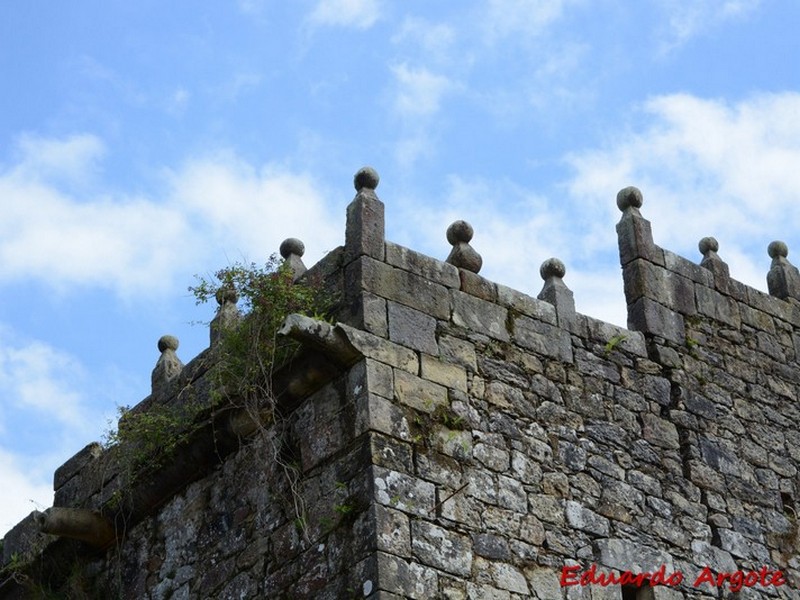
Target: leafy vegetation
250,351
240,374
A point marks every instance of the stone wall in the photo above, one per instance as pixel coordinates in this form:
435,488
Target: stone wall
453,438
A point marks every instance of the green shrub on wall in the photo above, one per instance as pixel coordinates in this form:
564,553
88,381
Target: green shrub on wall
250,350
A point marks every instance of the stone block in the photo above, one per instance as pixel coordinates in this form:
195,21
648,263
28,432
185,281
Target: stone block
446,374
768,344
525,469
547,508
615,338
491,546
659,432
441,548
409,580
543,339
370,275
493,458
652,318
635,239
657,389
374,347
479,316
769,304
643,279
86,482
464,510
73,465
758,319
370,377
365,229
508,577
527,305
717,306
318,427
418,393
595,367
720,456
545,582
369,312
705,477
393,531
481,591
23,541
686,268
455,443
511,494
412,328
475,285
436,270
626,555
403,492
707,555
375,413
390,453
461,352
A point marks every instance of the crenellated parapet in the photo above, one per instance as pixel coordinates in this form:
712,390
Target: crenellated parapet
447,436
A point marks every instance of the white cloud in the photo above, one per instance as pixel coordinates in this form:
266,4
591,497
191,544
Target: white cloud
125,243
419,91
706,167
44,411
21,492
251,210
433,40
36,377
515,229
137,245
361,14
416,97
239,83
689,18
178,101
74,159
252,7
528,17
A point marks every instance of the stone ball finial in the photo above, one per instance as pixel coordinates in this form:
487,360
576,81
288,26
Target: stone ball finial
167,342
459,231
552,267
291,246
708,244
629,197
367,177
778,248
463,255
226,295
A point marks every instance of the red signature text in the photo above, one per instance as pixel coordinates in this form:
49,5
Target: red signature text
735,581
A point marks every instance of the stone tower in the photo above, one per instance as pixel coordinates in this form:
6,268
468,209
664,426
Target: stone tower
450,437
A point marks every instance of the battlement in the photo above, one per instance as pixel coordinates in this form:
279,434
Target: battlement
450,437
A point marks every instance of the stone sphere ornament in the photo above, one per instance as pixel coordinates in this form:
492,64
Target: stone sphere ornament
366,177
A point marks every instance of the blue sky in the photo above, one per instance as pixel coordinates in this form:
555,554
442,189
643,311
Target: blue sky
141,144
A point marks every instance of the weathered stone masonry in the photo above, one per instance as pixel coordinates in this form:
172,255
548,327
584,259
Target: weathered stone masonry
454,438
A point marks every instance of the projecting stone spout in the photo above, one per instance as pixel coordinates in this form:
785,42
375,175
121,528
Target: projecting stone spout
322,336
76,523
